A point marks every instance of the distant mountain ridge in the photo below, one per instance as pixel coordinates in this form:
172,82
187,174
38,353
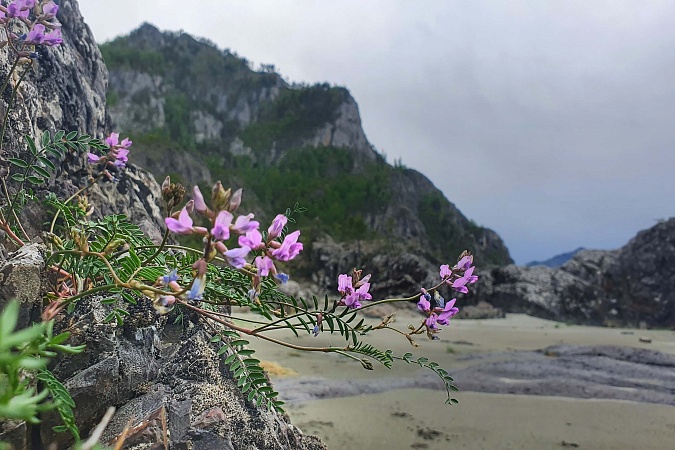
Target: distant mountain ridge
202,114
557,260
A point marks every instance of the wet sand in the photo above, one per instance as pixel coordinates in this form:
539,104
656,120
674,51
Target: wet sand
333,397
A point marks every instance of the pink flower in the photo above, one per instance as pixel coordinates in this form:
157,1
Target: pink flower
424,304
113,139
445,271
92,158
181,226
50,9
235,257
447,313
265,265
244,224
36,35
345,284
290,248
221,228
252,239
53,38
278,224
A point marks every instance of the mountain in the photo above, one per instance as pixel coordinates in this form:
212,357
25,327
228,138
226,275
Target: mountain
202,114
632,286
557,260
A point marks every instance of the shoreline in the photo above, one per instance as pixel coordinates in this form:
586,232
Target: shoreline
591,387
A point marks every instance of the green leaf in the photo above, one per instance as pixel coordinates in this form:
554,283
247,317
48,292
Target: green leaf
18,177
31,144
59,135
34,179
18,162
47,163
42,172
71,135
45,138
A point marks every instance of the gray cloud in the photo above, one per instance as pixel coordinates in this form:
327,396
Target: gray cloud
548,121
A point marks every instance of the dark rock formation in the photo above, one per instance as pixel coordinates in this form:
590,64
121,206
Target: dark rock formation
136,367
632,286
66,90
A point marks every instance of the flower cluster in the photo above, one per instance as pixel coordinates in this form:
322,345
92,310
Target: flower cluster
353,289
45,29
116,155
223,226
437,310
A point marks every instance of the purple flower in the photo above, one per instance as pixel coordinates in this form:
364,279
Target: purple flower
20,8
362,292
465,262
424,305
36,35
50,9
265,265
431,321
345,284
278,224
447,313
235,257
352,301
290,248
252,239
126,143
113,139
445,271
92,158
459,284
221,226
181,226
244,224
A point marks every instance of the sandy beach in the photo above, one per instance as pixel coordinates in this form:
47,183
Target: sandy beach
525,383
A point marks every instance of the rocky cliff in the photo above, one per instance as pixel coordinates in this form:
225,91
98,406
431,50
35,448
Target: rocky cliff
200,114
633,286
145,368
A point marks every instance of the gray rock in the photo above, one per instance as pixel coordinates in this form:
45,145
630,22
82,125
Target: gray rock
21,277
627,287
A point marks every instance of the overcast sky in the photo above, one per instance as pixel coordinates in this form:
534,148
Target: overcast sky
551,122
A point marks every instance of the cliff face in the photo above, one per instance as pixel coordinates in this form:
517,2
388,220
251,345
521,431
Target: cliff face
632,286
135,367
202,114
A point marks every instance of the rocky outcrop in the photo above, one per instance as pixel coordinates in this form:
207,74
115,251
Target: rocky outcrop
632,286
151,367
66,90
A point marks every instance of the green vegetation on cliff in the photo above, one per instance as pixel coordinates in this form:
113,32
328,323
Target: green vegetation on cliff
175,94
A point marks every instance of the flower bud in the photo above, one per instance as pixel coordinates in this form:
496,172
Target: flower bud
220,197
235,200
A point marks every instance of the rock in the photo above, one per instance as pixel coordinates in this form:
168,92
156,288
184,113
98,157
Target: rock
21,277
645,339
632,286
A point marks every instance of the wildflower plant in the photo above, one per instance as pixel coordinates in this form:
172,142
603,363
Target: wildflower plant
239,263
